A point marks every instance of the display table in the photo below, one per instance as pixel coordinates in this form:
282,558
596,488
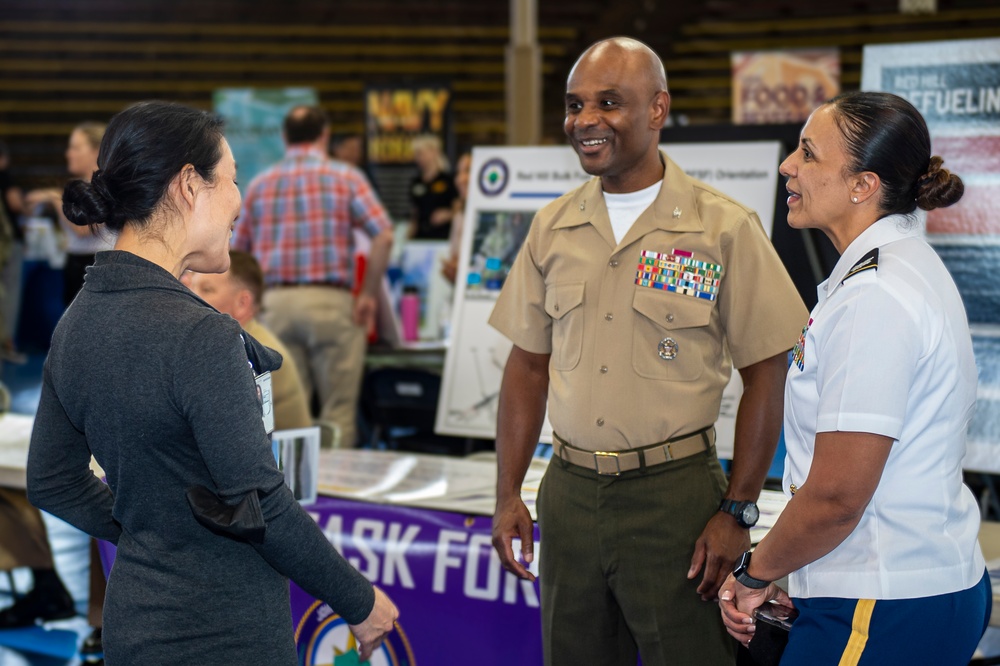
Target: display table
419,526
15,434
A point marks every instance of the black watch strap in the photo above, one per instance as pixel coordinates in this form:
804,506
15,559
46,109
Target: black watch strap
745,512
744,578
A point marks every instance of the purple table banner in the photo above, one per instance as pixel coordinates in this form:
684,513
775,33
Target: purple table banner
457,605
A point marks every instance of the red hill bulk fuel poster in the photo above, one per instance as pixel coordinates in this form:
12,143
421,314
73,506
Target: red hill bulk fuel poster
956,86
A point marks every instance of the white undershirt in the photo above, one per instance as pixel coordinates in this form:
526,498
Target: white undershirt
625,209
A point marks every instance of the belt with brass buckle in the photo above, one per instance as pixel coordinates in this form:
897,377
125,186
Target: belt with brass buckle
613,463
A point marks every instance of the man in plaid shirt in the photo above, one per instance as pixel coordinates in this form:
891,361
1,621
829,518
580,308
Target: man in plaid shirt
298,220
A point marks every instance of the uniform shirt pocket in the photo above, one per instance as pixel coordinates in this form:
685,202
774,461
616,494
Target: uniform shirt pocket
669,335
563,303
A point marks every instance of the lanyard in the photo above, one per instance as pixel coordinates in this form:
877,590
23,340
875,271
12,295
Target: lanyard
253,360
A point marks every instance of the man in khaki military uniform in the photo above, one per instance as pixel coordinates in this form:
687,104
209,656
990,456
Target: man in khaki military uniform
628,304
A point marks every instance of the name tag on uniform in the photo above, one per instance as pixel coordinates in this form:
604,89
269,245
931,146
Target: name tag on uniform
264,396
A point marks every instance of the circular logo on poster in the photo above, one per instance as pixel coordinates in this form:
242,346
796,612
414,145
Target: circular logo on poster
324,639
493,177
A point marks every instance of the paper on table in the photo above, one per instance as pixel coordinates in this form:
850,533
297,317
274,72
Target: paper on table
771,503
435,482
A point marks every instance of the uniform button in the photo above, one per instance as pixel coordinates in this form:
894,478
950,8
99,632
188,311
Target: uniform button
609,316
613,263
556,308
604,369
670,316
600,422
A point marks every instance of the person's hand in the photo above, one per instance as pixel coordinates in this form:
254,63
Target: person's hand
449,268
737,603
716,550
365,307
441,216
511,521
48,195
373,629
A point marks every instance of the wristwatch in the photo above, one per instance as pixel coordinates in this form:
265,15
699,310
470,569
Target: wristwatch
745,579
745,513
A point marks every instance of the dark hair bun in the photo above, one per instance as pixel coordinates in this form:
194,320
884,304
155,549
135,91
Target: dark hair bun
938,188
84,204
144,148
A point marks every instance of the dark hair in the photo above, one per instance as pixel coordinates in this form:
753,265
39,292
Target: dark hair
144,147
244,269
304,124
885,134
341,137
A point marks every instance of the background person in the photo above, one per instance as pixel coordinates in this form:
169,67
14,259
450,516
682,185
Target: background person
298,221
24,540
432,191
11,195
350,148
237,293
157,385
637,371
11,204
879,539
449,266
82,243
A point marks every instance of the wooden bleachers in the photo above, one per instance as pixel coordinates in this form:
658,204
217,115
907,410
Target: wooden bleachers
698,60
57,73
62,62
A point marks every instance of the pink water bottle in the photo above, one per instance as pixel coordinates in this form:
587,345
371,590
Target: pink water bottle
409,313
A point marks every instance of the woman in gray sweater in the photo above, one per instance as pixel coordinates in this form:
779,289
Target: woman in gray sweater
160,388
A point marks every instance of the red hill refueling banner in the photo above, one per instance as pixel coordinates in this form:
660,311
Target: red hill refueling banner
956,86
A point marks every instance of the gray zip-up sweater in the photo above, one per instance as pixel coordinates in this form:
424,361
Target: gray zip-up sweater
155,383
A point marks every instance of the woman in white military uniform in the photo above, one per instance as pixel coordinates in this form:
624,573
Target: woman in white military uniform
879,541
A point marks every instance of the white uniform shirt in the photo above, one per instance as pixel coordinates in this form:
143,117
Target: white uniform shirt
888,351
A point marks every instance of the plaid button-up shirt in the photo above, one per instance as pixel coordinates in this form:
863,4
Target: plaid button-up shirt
299,217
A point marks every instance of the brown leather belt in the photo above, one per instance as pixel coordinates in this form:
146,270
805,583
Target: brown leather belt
613,463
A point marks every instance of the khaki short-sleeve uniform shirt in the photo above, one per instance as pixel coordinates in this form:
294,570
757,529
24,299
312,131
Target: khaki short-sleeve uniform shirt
643,334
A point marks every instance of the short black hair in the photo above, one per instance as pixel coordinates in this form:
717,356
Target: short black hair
304,124
341,137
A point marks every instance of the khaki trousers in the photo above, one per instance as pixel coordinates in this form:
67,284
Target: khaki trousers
316,323
613,565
